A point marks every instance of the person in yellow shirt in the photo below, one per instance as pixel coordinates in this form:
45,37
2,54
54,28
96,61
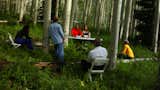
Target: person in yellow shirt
127,52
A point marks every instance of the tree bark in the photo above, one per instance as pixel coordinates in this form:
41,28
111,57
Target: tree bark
115,33
35,10
57,8
127,18
156,25
47,20
111,15
23,9
67,20
122,18
73,12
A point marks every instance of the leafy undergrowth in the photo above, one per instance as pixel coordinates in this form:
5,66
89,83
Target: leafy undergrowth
21,74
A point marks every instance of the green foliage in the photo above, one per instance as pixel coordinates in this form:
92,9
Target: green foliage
21,74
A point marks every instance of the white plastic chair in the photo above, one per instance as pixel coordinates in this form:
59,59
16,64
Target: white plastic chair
96,61
16,45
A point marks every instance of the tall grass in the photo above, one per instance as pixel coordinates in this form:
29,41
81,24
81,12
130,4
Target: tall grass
21,74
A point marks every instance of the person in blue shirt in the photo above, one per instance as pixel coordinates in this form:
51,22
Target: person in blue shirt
57,36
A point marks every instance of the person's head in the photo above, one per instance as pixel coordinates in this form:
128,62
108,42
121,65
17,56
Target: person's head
85,28
26,28
126,42
97,42
77,25
55,19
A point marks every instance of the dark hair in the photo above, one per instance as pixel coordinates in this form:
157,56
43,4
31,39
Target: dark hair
55,19
97,42
126,41
26,28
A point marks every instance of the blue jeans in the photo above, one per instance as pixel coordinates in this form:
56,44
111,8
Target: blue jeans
59,52
26,41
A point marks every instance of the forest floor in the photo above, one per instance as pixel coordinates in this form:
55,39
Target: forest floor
21,69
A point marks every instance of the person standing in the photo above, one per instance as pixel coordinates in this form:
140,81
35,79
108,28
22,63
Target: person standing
57,36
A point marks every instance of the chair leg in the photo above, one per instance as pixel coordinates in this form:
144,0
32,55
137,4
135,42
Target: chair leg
90,76
101,76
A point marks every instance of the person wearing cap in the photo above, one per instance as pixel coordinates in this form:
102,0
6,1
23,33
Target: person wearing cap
57,36
98,51
127,52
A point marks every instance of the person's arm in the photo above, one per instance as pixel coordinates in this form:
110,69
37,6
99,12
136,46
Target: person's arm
49,31
124,50
80,32
89,34
91,56
26,34
61,32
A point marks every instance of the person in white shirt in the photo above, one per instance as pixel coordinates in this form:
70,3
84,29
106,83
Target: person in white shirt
98,51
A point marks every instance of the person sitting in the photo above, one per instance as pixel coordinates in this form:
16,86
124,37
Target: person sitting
127,52
22,37
98,51
76,31
85,32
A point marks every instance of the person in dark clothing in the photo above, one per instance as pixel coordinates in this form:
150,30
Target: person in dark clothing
22,37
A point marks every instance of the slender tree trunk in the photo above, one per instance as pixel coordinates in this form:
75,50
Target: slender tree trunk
86,10
8,6
23,9
90,8
35,13
57,8
67,19
156,26
122,18
133,21
73,11
111,15
17,6
100,17
115,33
47,20
97,14
127,18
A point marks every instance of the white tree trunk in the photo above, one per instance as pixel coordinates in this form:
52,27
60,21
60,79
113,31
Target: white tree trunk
115,32
47,21
156,26
97,14
67,19
127,18
35,11
86,10
122,18
57,8
23,9
111,15
73,11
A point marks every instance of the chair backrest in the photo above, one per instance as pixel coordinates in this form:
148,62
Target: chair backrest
10,38
98,60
